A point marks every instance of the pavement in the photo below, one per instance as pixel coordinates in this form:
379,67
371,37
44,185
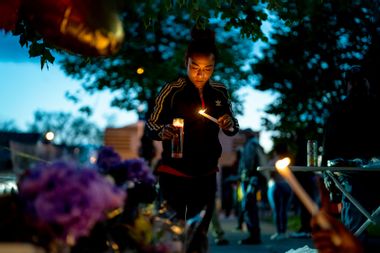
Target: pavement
267,246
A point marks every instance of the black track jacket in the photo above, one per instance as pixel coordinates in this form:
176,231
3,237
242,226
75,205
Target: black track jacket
201,147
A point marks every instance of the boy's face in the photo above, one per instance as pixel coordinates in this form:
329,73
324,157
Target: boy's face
200,68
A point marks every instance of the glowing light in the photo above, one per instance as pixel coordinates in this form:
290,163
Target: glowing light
140,71
204,114
49,136
178,122
176,229
283,163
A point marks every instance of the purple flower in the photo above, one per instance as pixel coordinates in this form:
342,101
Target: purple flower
133,175
71,199
107,158
137,170
130,171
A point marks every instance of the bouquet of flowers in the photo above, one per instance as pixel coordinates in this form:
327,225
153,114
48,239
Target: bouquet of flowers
69,198
141,227
106,208
133,175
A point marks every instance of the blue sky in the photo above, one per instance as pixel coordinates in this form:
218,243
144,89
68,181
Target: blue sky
26,88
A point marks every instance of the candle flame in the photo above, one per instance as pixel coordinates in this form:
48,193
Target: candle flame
178,122
282,163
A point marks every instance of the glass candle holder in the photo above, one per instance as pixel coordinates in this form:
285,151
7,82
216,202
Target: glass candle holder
177,141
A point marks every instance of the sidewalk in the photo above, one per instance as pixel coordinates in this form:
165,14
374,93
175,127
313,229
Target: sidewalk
267,246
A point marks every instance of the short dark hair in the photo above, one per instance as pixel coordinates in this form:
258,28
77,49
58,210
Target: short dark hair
202,42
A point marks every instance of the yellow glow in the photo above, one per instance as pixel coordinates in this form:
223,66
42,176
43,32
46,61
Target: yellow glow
202,112
140,71
114,213
113,245
70,239
283,163
178,122
177,229
105,42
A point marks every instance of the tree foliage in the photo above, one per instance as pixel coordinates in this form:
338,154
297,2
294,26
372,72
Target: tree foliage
68,130
305,64
157,33
9,126
314,43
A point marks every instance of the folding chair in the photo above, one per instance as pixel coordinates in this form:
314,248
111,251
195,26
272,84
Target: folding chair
370,217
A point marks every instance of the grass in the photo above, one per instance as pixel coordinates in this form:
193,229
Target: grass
294,222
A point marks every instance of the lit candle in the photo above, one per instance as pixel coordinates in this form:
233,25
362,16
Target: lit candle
283,169
177,141
311,206
204,114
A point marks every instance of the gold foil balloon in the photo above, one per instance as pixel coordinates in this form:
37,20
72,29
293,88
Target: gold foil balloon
86,27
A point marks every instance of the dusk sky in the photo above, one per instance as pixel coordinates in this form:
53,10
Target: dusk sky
26,88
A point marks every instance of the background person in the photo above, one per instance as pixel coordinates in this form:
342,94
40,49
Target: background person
279,193
252,181
217,230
